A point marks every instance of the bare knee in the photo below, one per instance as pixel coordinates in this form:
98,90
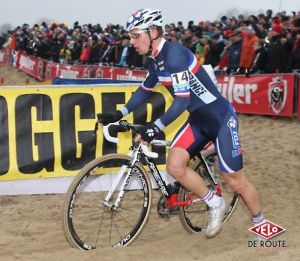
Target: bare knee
176,163
176,170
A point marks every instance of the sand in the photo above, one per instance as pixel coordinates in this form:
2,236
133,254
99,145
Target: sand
13,76
31,226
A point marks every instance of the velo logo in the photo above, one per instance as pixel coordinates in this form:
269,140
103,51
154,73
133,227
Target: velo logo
267,230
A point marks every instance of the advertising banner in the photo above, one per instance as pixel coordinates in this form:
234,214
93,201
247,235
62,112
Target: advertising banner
31,65
4,56
56,70
260,94
49,132
298,110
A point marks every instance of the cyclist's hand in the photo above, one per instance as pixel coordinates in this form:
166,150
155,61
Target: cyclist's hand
109,117
149,132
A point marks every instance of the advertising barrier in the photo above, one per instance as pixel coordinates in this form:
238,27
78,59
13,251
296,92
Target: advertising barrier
49,132
4,56
88,81
298,94
267,94
31,65
260,94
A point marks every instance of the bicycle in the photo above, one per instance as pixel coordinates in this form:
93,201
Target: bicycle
109,201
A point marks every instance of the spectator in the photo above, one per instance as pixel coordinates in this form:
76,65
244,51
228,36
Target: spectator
94,56
55,50
77,49
294,62
124,52
247,50
65,54
43,49
187,38
217,46
206,42
85,53
260,60
234,54
277,58
279,31
197,47
107,55
2,40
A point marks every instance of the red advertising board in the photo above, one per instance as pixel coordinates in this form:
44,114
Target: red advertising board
54,70
298,110
117,73
31,65
271,94
103,71
126,74
260,94
4,56
51,70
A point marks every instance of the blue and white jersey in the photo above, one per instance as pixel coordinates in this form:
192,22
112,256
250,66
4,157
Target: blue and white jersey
212,117
177,69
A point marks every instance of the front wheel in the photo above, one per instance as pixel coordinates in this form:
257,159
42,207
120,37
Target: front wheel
194,217
107,204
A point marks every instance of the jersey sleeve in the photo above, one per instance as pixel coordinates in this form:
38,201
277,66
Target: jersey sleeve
142,93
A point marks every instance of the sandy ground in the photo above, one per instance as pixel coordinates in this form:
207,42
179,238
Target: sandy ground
31,226
7,74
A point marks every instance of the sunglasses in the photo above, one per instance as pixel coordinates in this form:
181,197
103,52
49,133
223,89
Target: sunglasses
136,35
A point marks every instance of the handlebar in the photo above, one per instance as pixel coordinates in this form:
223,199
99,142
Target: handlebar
123,126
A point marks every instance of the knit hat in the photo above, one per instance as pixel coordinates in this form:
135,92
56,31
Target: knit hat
277,26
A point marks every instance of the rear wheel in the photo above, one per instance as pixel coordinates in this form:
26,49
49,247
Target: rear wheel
91,219
194,217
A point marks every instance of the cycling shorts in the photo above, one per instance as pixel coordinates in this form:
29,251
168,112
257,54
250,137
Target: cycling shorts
196,133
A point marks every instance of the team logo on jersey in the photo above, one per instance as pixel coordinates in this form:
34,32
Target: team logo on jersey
232,124
277,94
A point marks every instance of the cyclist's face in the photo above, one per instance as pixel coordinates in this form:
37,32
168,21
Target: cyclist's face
140,41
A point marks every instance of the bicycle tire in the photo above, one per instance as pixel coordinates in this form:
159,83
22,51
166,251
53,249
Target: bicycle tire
88,223
194,217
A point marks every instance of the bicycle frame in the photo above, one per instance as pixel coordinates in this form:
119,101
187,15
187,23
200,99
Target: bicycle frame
139,151
171,199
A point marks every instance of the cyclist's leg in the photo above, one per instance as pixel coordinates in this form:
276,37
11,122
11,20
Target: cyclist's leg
239,183
177,161
187,141
231,163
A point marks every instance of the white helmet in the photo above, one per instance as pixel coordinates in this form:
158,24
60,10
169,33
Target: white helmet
144,19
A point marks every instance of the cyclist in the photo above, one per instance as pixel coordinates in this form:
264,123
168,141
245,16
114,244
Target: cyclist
211,117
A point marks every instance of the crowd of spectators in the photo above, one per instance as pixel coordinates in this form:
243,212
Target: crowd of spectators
266,43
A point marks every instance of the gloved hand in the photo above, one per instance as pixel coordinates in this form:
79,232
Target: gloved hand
109,117
149,132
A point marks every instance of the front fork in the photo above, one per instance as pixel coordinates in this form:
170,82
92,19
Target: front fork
135,158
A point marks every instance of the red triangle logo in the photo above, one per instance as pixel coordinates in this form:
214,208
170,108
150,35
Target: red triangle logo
267,229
